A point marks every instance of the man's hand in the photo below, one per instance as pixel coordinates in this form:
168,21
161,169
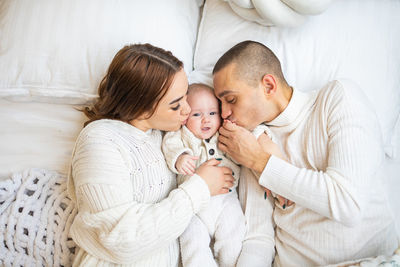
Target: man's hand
242,146
186,164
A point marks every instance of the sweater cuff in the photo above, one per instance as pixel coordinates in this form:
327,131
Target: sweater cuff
278,175
198,192
255,254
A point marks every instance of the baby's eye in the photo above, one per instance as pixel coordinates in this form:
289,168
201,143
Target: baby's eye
196,114
176,108
213,113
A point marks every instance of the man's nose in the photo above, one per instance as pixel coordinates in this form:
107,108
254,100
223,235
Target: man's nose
225,111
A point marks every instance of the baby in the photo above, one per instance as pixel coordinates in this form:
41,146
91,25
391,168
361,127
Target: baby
214,237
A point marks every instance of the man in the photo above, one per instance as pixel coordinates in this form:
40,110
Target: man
326,162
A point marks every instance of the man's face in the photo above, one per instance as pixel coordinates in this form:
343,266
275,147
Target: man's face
241,103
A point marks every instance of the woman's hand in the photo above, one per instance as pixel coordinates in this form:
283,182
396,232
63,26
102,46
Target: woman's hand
218,179
282,201
270,147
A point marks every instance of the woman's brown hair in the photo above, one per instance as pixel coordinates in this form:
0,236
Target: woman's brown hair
136,80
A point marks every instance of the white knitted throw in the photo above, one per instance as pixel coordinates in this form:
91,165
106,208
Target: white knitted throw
35,217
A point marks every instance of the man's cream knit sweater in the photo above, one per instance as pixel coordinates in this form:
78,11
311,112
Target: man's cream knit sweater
333,145
130,211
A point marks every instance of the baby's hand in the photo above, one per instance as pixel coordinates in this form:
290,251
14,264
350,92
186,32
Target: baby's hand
186,164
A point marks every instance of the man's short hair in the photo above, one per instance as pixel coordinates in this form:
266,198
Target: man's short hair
253,60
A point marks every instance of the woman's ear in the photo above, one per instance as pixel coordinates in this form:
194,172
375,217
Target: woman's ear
269,84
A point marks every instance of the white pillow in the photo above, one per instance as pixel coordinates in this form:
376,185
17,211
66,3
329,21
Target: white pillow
287,13
58,51
354,39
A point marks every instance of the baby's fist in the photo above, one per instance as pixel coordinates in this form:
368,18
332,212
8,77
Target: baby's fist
186,164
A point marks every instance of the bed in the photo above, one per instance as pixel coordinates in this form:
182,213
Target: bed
53,55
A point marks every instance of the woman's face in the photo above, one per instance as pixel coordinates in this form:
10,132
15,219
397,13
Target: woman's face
172,110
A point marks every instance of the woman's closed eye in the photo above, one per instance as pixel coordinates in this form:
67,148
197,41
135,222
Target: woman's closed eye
176,107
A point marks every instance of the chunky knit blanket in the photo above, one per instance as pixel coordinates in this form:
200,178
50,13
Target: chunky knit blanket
36,214
35,217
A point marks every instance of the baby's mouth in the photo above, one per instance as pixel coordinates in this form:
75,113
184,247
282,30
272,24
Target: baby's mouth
205,129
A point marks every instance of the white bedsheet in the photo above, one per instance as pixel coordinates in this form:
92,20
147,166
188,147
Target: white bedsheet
37,135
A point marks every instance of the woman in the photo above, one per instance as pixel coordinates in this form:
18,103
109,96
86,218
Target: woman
129,209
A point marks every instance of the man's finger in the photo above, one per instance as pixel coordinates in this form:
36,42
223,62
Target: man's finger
223,132
223,139
222,147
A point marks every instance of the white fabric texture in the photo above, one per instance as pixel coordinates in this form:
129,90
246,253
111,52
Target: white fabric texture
285,13
222,221
381,261
130,212
335,44
57,52
341,211
35,218
37,135
259,243
214,236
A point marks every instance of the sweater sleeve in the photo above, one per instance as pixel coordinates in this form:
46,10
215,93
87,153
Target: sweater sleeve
259,244
110,224
173,147
354,155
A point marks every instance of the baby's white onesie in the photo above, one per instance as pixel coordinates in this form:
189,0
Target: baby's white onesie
215,235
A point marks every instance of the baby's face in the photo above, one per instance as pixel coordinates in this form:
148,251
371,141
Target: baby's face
204,119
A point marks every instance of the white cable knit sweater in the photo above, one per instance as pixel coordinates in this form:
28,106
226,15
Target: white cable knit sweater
333,144
129,211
